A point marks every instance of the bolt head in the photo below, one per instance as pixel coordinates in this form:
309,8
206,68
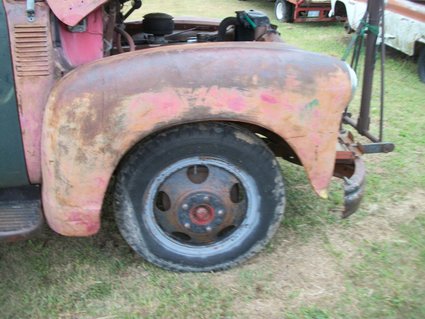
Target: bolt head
186,225
220,212
185,206
206,198
208,228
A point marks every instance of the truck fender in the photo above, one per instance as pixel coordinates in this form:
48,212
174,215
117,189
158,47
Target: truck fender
99,111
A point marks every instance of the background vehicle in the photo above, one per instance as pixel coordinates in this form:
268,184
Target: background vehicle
188,116
404,25
306,11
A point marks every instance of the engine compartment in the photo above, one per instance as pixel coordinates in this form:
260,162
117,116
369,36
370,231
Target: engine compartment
107,31
158,29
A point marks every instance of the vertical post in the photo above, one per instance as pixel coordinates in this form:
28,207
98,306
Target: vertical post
373,7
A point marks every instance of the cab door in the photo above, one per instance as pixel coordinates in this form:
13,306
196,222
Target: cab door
12,162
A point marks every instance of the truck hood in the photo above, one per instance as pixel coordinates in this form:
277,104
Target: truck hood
73,11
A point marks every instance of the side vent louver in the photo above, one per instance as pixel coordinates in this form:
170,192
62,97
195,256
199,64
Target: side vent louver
31,48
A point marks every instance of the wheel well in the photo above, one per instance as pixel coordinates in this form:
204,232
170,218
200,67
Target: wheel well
340,10
418,47
276,143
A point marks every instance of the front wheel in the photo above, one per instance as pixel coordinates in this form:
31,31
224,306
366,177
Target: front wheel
200,197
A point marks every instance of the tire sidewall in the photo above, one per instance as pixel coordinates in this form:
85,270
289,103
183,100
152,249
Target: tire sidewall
280,8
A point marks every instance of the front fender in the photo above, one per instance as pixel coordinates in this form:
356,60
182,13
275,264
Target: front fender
100,110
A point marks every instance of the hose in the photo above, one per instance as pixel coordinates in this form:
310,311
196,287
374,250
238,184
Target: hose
120,32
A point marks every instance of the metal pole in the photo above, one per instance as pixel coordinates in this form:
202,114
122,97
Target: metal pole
381,108
363,121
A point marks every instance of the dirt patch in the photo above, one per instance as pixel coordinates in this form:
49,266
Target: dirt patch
400,212
296,274
311,273
259,308
380,225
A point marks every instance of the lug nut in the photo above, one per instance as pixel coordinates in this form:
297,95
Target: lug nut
208,228
186,225
220,212
185,206
206,198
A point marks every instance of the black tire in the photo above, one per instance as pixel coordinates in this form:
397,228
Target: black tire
223,28
283,11
185,228
421,64
347,28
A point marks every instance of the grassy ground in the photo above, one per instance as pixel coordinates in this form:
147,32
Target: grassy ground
317,266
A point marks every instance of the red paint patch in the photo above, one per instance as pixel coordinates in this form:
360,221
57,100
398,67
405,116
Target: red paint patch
268,99
83,219
101,182
72,11
83,47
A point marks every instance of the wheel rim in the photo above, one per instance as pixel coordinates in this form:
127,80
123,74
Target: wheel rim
279,11
199,207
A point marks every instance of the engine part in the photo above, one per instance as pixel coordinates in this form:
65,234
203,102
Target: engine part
158,24
248,26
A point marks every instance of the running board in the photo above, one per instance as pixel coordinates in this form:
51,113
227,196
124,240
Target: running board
20,212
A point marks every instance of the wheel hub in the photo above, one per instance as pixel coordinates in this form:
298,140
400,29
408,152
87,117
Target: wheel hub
199,204
202,214
198,213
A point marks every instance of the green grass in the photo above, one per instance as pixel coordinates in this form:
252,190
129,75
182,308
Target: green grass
376,260
389,280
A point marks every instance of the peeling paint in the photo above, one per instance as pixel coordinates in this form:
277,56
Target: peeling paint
105,126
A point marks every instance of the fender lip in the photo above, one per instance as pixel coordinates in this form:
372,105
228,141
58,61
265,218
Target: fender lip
354,188
353,79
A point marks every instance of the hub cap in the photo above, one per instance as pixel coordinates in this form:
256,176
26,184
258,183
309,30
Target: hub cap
202,215
201,203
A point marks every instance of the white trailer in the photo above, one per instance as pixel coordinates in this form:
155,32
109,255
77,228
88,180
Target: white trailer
404,25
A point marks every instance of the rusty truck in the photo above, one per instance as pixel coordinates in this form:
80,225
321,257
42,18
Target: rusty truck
179,119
